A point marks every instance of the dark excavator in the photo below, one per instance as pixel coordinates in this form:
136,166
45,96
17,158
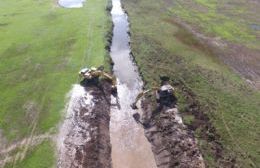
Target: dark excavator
164,94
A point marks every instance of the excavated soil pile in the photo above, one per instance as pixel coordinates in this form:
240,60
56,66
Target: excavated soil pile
172,143
86,140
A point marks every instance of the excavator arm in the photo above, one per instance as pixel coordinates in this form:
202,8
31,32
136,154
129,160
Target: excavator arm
111,78
142,94
99,73
96,73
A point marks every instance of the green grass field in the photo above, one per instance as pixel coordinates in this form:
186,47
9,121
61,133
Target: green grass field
42,48
163,47
228,19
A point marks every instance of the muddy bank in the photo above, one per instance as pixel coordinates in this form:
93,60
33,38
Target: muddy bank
173,144
84,136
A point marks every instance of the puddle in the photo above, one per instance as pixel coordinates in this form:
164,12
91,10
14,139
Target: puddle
130,148
71,3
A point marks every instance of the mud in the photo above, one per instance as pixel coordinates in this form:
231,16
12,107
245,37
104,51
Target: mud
245,61
84,136
173,144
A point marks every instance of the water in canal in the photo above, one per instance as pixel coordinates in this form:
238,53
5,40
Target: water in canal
130,148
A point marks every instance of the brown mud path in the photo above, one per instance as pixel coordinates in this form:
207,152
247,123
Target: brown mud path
84,136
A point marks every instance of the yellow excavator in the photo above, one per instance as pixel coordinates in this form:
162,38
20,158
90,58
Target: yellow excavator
93,74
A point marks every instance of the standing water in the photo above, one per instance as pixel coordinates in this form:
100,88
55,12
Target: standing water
71,3
130,148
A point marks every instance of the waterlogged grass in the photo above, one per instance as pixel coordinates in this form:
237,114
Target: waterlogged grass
210,16
42,47
162,47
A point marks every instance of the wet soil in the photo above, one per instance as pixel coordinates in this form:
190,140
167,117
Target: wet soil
84,136
173,144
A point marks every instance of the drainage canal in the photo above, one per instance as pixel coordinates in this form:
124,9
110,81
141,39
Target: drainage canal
130,148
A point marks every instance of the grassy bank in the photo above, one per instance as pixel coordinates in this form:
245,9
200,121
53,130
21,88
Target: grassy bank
42,48
228,131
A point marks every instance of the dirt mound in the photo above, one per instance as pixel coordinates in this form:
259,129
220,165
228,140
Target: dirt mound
172,143
84,136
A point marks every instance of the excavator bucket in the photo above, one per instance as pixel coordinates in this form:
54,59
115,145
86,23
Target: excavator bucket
133,106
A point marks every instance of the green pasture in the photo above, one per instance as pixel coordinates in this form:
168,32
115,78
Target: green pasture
228,19
42,48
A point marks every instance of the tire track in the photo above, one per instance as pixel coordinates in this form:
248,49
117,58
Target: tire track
24,144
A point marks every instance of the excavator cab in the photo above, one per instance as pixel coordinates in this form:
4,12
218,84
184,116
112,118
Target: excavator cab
92,75
164,94
83,71
87,73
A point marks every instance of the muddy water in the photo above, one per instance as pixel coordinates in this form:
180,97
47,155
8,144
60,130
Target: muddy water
130,148
71,3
